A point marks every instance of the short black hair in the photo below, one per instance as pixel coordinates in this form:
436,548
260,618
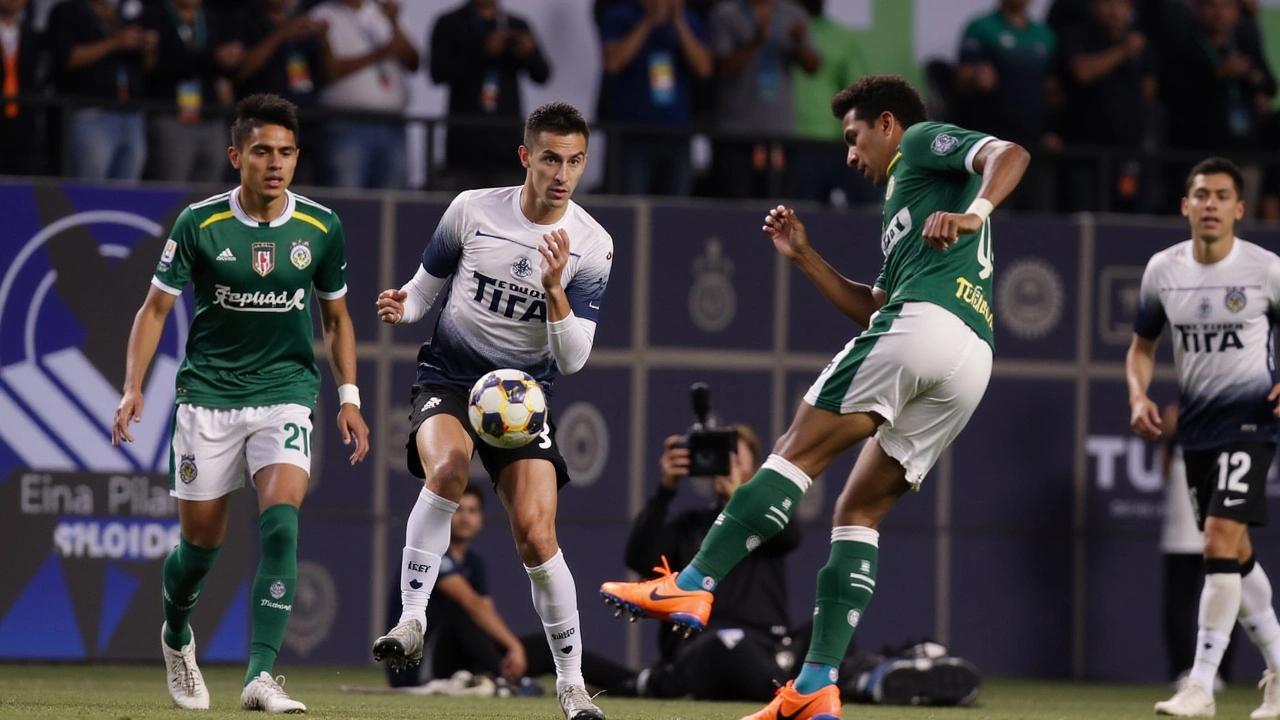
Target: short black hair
1217,166
873,95
558,118
263,109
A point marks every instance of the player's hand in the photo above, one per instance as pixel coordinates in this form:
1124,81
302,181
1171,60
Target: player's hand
942,229
514,663
1273,396
128,411
674,462
787,232
1144,418
555,255
391,305
351,425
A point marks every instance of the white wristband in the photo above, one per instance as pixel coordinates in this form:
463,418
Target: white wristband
981,207
348,395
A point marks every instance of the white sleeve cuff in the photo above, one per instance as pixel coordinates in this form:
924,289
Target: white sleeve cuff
973,153
340,292
171,290
571,340
421,294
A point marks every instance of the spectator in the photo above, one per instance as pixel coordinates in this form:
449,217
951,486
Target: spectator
190,142
1109,79
1216,87
99,56
364,56
654,52
282,57
751,601
465,630
479,51
755,43
19,125
1004,74
823,158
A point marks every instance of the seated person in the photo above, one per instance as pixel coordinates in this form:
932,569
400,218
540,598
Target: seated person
466,632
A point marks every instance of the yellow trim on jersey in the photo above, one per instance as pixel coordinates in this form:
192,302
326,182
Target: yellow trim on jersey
216,217
308,219
897,156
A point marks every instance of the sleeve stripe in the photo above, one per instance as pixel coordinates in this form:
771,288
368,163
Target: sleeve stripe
171,290
308,219
216,217
340,292
973,153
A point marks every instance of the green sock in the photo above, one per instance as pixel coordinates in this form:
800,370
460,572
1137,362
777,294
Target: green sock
756,512
273,586
184,573
845,586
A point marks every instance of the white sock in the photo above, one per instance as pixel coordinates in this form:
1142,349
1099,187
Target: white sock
426,538
555,598
1258,616
1219,606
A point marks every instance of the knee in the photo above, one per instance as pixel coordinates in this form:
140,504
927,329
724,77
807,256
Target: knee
447,472
278,536
536,542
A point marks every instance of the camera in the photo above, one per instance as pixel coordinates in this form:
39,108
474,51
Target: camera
710,448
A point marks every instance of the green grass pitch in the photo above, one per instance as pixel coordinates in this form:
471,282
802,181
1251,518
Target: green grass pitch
132,692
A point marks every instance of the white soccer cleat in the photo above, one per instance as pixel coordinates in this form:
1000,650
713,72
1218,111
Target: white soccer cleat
186,684
1191,700
265,694
577,704
1270,686
402,647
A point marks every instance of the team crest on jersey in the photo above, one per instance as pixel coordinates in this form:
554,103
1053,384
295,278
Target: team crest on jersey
945,144
187,471
1236,299
522,268
264,258
300,254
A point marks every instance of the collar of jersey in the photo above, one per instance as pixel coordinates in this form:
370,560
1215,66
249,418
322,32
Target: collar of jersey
896,157
243,216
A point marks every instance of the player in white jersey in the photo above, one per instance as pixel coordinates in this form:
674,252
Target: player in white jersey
523,270
1221,296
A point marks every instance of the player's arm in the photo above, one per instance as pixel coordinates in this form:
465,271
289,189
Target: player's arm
1001,164
572,312
481,610
440,259
148,325
340,343
1140,361
855,300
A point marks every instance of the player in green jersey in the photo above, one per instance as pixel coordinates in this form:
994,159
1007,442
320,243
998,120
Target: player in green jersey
248,384
907,385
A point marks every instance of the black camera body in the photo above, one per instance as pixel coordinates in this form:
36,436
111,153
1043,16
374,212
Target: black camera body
710,448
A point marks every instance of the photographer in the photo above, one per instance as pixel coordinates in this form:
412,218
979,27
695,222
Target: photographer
739,655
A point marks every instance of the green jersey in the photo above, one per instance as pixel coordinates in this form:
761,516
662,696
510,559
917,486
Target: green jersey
932,172
251,340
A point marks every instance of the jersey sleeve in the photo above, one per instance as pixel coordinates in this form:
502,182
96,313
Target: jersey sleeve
586,289
178,256
1150,320
444,249
941,147
330,279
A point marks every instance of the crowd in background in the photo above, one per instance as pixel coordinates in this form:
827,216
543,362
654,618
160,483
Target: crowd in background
1115,98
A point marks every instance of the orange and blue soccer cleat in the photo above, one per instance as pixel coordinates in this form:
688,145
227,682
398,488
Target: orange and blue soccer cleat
791,705
661,599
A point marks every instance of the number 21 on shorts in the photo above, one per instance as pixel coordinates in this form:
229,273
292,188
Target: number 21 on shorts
299,438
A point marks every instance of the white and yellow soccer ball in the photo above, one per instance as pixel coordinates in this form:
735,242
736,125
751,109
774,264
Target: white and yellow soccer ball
507,408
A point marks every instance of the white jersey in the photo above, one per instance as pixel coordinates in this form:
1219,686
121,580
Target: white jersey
1222,317
494,313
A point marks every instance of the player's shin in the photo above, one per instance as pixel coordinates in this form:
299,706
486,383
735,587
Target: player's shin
184,573
1256,612
273,586
1219,607
756,512
426,541
845,586
555,598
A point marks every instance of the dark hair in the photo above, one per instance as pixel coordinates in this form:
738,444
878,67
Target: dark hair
474,489
876,94
1217,166
558,118
263,109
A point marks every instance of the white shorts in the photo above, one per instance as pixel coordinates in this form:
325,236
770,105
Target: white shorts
920,368
210,448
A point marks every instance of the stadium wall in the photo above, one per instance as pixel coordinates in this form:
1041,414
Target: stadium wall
1032,548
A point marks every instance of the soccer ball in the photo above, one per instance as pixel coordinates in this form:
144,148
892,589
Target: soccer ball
507,408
